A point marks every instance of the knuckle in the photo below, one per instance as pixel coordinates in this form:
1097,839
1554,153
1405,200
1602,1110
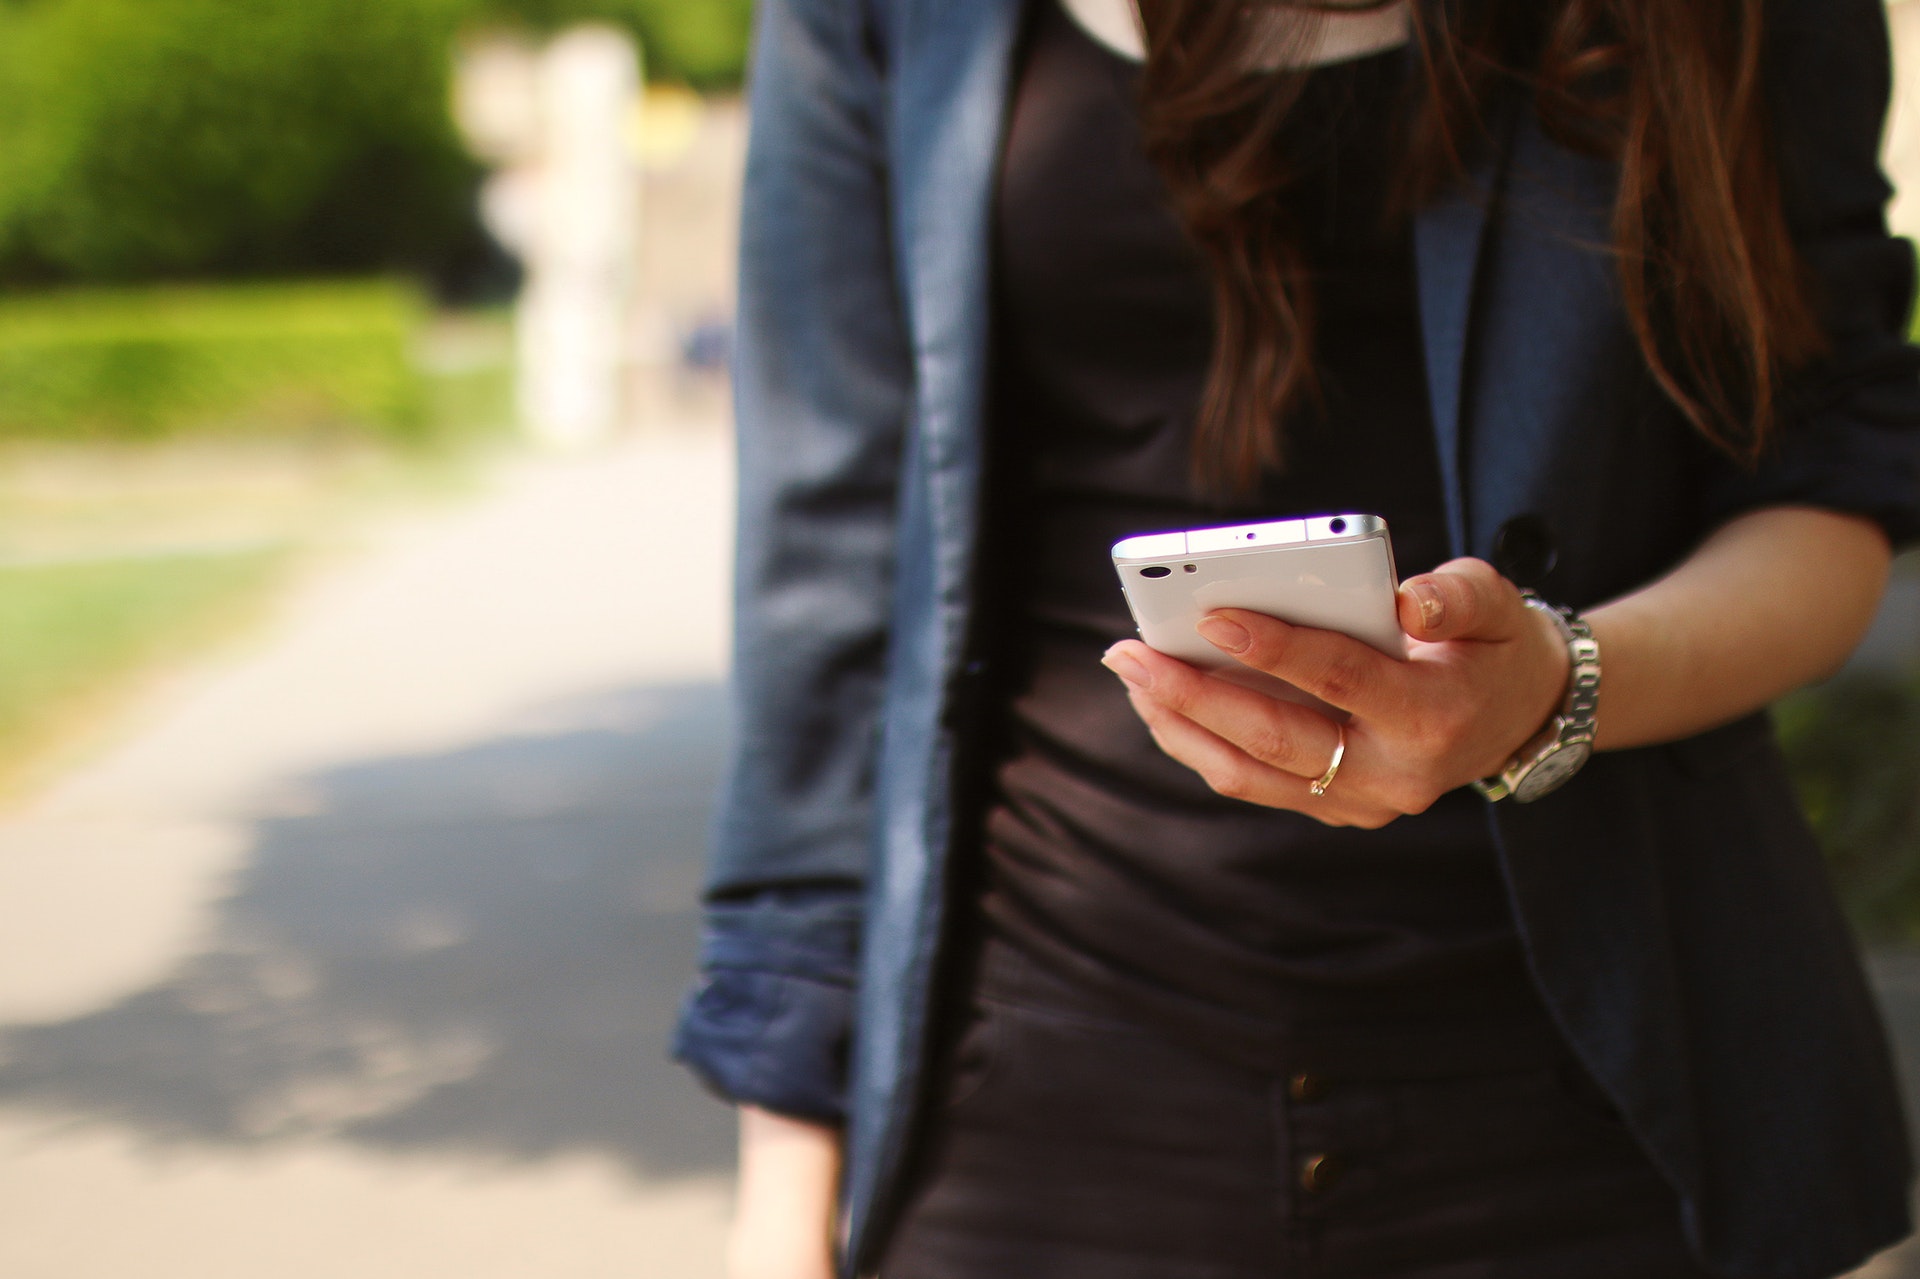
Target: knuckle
1473,588
1340,677
1270,745
1232,783
1415,795
1173,694
1432,745
1480,572
1397,794
1442,731
1426,735
1468,607
1160,739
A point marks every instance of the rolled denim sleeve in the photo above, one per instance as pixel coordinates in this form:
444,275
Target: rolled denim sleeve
770,1020
822,393
1849,436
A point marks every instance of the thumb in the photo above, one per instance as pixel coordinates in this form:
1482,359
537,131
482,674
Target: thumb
1462,599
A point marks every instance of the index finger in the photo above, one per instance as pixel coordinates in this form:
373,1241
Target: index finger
1341,671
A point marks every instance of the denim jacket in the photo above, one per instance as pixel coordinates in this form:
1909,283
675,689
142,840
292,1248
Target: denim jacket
1671,900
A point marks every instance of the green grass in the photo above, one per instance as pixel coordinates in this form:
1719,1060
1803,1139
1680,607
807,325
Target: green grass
72,635
132,421
466,382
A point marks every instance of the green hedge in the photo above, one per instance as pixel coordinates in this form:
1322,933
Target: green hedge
152,363
1853,745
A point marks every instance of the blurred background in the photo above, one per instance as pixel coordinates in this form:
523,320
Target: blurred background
363,549
363,540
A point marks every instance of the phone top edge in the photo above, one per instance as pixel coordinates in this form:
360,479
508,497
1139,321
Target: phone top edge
1319,530
1148,546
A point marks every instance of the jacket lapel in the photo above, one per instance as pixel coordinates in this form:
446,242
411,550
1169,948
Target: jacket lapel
948,65
1447,240
950,88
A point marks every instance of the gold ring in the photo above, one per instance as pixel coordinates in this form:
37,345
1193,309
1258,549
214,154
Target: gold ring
1325,780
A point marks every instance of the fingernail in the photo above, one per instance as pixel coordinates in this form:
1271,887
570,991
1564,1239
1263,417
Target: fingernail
1222,634
1128,668
1433,609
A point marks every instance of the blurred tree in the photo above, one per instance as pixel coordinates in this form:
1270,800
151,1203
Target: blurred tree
148,139
165,137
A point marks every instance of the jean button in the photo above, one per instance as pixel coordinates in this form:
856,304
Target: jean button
1317,1172
1524,550
1306,1087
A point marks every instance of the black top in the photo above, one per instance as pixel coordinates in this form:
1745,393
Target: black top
1105,856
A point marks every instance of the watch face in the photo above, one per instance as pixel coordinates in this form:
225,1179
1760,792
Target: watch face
1562,760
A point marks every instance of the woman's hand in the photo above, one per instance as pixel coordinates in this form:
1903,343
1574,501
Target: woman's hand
786,1205
1484,673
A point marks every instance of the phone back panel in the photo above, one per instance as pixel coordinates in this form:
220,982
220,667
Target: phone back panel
1343,583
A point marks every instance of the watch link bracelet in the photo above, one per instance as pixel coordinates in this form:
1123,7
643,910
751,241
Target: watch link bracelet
1557,751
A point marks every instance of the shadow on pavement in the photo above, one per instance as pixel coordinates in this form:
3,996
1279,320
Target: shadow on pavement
476,952
480,953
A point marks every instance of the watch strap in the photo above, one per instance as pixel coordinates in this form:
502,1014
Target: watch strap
1583,655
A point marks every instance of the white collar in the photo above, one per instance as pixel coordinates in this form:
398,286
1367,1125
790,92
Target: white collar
1342,36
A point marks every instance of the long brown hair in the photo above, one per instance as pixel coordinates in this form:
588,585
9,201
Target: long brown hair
1669,89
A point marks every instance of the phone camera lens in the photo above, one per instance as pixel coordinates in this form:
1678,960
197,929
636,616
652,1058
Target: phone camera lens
1158,570
1191,568
1337,526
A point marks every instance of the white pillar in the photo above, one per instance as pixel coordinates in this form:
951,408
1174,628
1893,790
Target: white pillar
1902,146
573,313
566,201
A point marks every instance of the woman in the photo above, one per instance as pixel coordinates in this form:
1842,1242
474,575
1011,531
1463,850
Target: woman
1157,975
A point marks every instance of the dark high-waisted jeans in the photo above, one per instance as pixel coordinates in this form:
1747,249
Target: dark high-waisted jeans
1066,1143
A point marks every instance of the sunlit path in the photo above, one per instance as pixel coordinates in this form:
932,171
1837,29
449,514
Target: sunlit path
358,954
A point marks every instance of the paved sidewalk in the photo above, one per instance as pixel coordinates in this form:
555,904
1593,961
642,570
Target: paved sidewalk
358,955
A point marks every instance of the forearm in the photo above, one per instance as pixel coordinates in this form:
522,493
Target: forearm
1771,601
787,1204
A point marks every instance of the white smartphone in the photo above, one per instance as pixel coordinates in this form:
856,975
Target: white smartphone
1331,571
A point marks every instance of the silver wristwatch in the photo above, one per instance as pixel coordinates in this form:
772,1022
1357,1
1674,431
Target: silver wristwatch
1557,751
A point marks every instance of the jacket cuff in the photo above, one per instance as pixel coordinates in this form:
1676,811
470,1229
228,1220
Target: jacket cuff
766,1040
770,1021
1867,496
1860,457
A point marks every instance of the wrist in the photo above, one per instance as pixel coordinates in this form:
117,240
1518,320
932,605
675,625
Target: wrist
789,1177
1537,693
1559,749
1549,692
